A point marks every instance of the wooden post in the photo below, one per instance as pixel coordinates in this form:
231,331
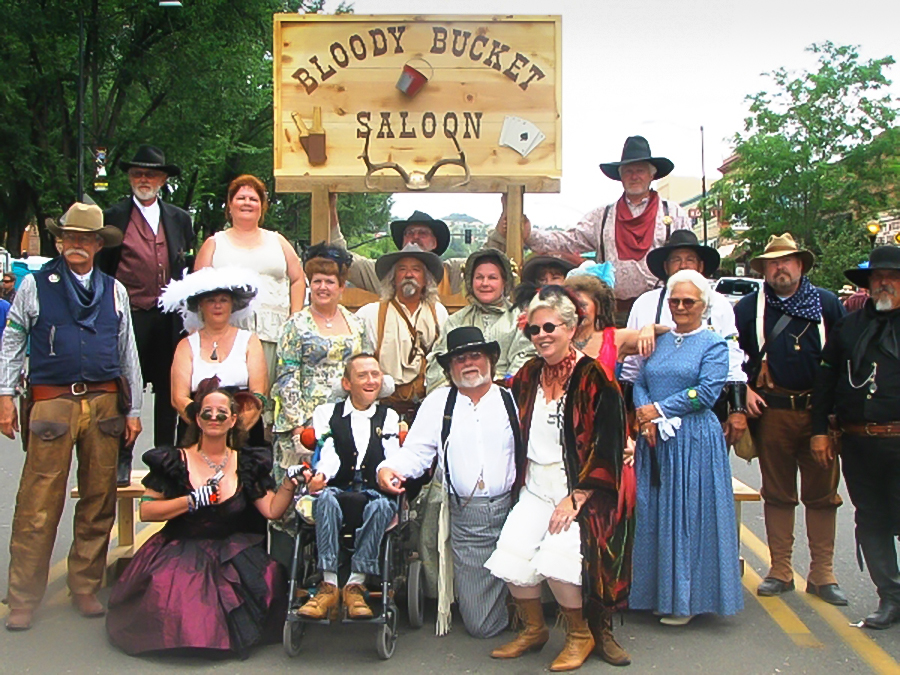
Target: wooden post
320,216
514,219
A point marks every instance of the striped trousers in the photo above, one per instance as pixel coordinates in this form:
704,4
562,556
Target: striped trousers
474,529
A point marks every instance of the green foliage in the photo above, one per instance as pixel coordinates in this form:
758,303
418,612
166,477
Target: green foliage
818,157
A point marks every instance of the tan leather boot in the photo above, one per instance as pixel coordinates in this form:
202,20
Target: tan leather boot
606,646
324,604
780,535
355,602
533,636
88,605
579,641
19,619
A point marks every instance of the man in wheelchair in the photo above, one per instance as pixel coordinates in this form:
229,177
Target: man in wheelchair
355,436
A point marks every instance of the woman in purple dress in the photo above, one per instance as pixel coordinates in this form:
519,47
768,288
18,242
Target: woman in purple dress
205,581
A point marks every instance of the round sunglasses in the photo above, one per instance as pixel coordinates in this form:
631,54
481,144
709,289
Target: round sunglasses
208,416
531,330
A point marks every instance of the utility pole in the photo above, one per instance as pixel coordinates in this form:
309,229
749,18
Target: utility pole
703,184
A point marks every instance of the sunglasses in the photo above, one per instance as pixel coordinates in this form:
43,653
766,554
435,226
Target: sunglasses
207,414
531,330
687,303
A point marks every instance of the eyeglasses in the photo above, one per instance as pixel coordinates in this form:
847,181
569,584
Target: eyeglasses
207,415
145,173
687,303
466,356
531,330
9,281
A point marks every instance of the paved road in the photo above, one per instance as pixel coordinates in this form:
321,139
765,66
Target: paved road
796,634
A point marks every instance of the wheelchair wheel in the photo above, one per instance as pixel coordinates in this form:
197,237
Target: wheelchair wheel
292,637
386,638
415,594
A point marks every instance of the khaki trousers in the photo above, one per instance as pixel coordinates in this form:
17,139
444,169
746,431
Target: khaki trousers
783,451
92,424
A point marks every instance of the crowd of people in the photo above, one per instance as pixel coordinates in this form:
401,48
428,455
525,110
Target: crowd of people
574,424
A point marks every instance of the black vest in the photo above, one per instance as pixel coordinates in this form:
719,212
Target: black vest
346,450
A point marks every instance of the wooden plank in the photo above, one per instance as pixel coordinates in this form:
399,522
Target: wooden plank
514,218
320,218
743,492
125,514
395,184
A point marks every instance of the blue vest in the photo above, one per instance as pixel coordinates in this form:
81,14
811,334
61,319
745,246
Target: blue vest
62,352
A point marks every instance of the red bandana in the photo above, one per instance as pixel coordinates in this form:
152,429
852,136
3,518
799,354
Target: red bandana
634,234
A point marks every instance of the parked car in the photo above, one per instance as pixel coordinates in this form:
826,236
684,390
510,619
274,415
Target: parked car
735,288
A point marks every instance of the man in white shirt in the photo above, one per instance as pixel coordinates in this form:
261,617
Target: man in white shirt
472,429
683,251
358,435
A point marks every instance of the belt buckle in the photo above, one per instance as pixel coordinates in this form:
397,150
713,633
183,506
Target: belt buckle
794,402
868,430
78,388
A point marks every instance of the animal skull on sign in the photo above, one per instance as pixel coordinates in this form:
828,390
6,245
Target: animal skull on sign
415,180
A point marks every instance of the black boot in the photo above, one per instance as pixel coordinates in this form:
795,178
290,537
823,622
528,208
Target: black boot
881,559
123,470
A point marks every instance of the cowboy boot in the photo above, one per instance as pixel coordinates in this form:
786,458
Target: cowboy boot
324,604
820,529
579,641
534,634
606,646
780,535
355,602
881,560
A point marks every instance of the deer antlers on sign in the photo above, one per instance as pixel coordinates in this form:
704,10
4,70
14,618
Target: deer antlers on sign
415,180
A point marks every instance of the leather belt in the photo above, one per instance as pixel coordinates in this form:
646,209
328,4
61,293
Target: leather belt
795,402
886,429
45,392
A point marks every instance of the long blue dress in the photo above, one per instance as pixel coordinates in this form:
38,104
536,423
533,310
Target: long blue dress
686,556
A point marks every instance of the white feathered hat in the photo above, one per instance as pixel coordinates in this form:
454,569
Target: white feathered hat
184,295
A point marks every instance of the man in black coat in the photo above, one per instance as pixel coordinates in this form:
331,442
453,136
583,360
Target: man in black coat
156,238
860,384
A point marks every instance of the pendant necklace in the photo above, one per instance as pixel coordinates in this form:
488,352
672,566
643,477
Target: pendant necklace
797,337
328,321
214,355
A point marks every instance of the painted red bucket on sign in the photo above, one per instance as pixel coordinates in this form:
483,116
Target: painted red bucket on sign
412,79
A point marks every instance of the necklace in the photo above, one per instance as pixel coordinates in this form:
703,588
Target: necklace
214,354
212,465
797,337
328,320
558,373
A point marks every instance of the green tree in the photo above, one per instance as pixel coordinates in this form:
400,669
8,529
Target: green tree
818,157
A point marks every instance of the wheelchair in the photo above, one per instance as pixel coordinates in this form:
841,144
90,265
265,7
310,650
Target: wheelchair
402,579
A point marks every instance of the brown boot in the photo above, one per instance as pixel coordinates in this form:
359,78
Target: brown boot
533,636
579,641
355,602
780,535
606,646
323,605
88,605
19,619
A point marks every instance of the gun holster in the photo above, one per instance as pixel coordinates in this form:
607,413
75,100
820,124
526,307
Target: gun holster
26,403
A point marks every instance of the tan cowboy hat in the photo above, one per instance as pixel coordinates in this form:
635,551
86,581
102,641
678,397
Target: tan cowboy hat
86,218
780,246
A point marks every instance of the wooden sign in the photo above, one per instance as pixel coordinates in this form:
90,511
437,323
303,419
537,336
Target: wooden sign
420,89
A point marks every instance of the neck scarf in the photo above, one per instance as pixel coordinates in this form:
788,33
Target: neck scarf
804,304
880,331
558,373
634,234
84,304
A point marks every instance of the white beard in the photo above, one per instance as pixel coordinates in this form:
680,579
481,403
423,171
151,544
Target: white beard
471,381
145,194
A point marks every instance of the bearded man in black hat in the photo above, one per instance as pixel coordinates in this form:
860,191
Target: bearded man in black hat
156,240
683,251
622,233
859,384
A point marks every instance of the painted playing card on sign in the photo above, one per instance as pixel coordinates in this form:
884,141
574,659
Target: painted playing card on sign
520,135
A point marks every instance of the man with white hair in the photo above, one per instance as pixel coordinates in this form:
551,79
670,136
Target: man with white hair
404,325
472,428
622,233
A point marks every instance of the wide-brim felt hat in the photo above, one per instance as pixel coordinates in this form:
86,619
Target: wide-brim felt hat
531,266
656,259
432,263
780,246
467,339
86,218
150,157
637,149
881,258
438,227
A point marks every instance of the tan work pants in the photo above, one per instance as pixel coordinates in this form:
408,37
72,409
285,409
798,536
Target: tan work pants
93,424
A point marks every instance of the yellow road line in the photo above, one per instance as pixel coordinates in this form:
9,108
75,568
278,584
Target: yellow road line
781,614
879,660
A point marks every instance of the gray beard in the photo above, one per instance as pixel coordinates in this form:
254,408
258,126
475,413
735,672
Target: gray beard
884,304
409,288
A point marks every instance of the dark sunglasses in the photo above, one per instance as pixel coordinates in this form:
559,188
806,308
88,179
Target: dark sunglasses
208,415
531,330
687,303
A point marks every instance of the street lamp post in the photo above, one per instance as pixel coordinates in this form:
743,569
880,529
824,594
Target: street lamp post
873,227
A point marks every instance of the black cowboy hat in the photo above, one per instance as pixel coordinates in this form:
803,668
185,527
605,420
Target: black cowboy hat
467,339
438,227
340,256
637,149
432,263
881,258
656,259
531,266
150,157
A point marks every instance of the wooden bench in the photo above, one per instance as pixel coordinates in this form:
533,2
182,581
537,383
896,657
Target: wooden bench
742,493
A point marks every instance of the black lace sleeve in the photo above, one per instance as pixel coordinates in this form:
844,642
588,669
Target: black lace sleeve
168,474
255,471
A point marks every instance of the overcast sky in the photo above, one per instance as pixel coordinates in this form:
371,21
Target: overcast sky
661,69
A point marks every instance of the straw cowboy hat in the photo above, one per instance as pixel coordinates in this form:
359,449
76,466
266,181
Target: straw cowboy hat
780,246
637,149
150,157
86,218
881,258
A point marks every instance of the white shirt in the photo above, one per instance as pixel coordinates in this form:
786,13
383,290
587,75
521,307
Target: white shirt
643,312
360,426
84,279
150,213
480,444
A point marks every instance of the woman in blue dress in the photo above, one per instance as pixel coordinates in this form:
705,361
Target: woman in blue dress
686,558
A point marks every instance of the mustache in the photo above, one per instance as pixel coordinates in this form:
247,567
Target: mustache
409,287
77,251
